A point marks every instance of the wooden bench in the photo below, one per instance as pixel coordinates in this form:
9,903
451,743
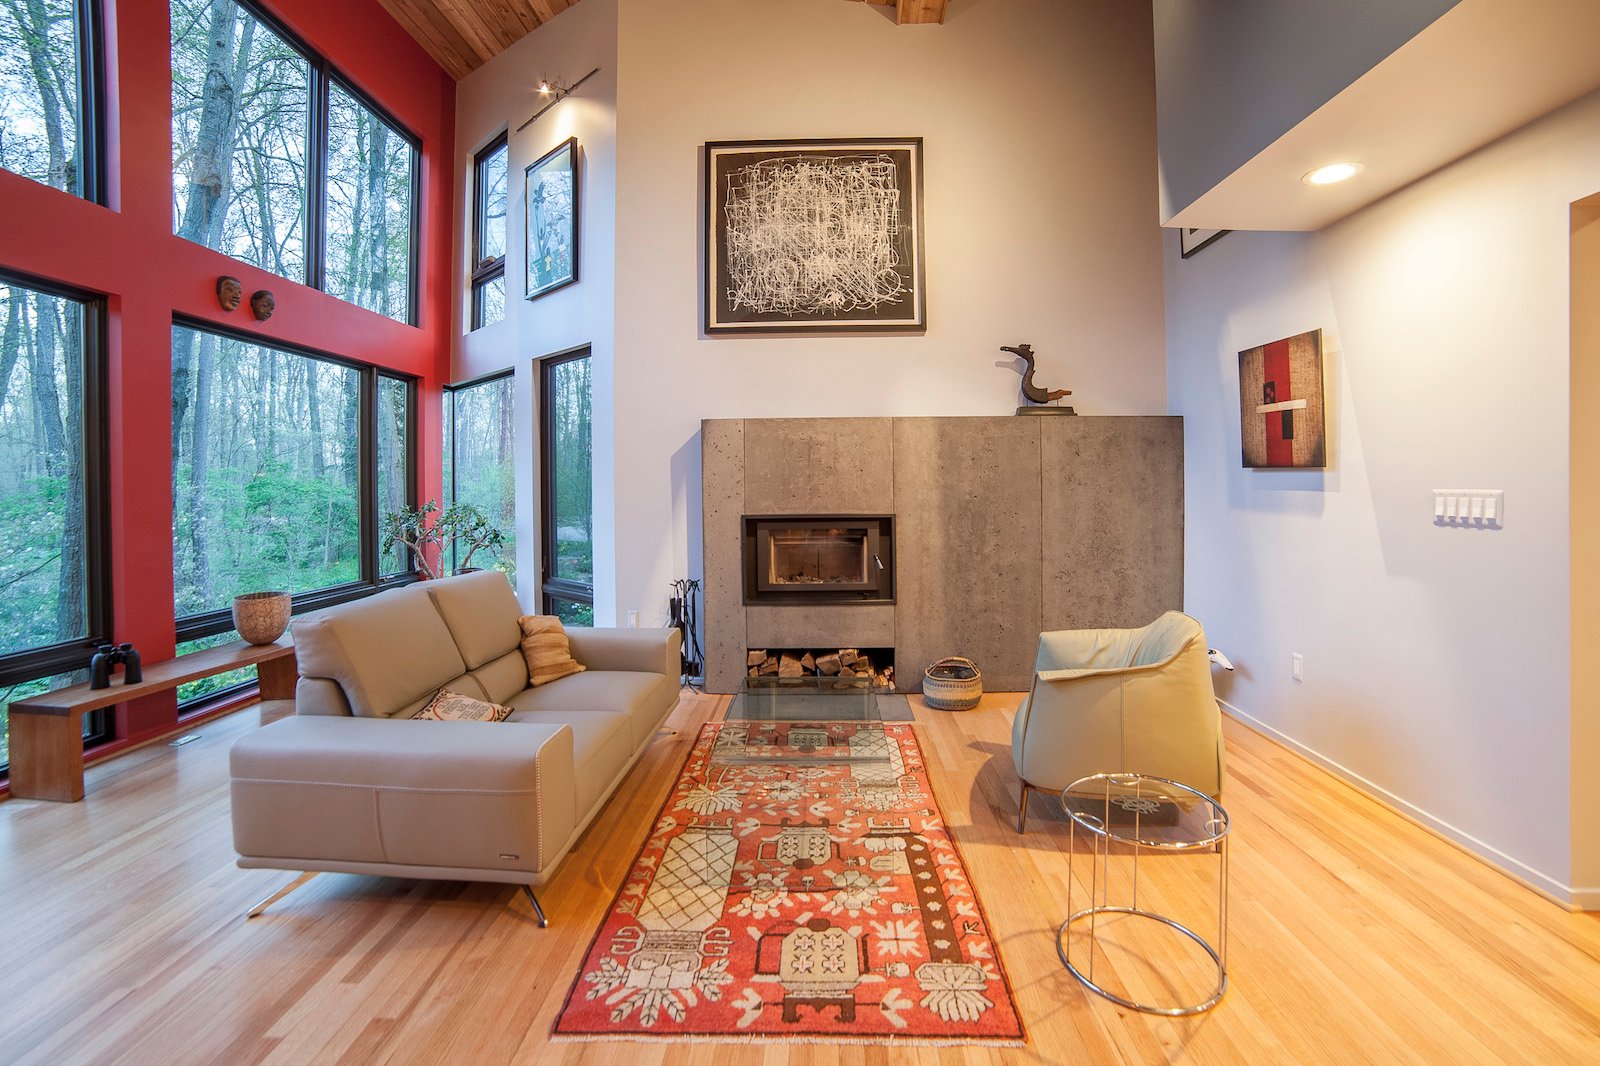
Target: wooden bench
47,729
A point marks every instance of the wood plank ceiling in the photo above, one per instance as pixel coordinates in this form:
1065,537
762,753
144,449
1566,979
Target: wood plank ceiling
463,35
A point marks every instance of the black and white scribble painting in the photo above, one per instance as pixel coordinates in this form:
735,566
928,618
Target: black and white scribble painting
814,236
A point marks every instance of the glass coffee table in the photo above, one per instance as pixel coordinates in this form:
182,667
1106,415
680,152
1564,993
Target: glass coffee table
803,720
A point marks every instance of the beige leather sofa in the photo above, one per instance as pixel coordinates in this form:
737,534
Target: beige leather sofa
350,783
1108,700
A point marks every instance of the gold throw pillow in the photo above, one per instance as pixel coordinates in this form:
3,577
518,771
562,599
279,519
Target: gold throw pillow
450,706
545,649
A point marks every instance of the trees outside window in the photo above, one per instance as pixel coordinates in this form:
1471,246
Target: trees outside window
566,462
278,162
368,208
480,458
489,176
53,606
49,93
283,461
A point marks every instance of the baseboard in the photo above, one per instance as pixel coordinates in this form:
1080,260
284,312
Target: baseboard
1545,885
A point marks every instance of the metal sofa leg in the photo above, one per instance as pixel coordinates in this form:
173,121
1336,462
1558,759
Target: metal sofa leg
276,896
543,921
1022,809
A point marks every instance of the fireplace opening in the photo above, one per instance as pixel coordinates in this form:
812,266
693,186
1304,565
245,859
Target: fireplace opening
818,559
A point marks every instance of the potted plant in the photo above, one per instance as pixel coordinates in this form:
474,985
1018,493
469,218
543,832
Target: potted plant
410,526
465,525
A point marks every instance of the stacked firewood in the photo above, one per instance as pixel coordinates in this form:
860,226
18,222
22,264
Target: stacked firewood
845,663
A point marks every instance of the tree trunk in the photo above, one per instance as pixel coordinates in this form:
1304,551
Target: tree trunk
199,462
72,584
211,173
42,378
41,63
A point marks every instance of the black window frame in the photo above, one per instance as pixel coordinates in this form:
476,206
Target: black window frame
89,16
484,270
450,392
551,587
369,532
322,74
65,656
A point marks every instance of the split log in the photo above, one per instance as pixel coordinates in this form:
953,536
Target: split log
848,656
789,666
828,665
768,667
808,663
755,657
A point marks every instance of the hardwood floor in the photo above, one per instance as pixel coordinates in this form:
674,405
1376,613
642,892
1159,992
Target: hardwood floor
1355,936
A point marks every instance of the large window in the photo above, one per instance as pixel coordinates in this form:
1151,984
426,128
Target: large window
278,162
53,607
480,459
566,464
50,93
282,464
489,232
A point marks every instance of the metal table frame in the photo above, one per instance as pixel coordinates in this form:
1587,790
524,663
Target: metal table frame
1213,833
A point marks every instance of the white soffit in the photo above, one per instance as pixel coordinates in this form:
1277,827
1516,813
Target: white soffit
1483,69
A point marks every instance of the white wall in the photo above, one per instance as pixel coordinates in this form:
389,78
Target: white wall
501,96
1039,125
1436,658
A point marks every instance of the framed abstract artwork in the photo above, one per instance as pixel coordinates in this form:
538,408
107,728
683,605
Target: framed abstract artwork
1280,404
1191,240
814,236
551,194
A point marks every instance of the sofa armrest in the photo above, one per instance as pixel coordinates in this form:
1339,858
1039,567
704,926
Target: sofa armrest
460,796
318,695
653,651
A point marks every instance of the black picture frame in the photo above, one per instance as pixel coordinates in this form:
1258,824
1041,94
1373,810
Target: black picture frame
542,187
770,284
1192,240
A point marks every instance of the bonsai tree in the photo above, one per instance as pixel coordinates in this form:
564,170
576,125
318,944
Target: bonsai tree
410,526
465,525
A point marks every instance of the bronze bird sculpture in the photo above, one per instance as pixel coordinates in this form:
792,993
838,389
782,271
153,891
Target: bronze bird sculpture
1033,392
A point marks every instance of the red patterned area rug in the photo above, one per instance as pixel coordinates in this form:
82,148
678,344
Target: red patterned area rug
802,900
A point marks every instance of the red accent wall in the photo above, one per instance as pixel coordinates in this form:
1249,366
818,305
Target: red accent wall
127,251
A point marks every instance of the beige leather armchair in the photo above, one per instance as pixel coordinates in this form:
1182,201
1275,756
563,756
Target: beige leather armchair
1106,700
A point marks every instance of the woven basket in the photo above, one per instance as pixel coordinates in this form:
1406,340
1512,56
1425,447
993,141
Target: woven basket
953,684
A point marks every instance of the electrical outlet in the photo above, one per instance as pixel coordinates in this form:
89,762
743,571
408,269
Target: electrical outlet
1297,667
633,619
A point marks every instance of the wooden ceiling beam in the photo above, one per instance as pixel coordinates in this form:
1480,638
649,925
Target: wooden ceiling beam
919,12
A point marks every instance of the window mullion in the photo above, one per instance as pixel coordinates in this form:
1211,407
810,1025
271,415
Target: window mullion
367,479
317,179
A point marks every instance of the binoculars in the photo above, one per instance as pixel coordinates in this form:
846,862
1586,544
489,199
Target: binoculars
110,655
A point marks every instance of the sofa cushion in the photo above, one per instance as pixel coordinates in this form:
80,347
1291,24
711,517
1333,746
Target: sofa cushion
481,612
450,706
601,746
637,695
386,652
544,646
504,677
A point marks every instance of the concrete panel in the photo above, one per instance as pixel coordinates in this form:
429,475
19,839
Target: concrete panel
1113,506
818,466
969,545
722,501
820,626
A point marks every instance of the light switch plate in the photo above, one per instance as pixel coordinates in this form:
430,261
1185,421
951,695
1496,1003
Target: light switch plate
1469,508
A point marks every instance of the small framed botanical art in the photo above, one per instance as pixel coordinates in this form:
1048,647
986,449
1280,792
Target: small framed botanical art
551,195
1191,240
1280,404
814,236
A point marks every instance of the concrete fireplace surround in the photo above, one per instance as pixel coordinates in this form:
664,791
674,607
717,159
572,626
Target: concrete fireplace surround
1004,527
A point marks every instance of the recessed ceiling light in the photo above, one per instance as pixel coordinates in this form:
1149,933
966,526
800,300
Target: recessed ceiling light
1333,172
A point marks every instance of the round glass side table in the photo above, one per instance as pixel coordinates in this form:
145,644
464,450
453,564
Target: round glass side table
1142,813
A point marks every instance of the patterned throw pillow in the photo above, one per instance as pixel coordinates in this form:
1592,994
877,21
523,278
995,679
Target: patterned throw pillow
450,706
545,648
